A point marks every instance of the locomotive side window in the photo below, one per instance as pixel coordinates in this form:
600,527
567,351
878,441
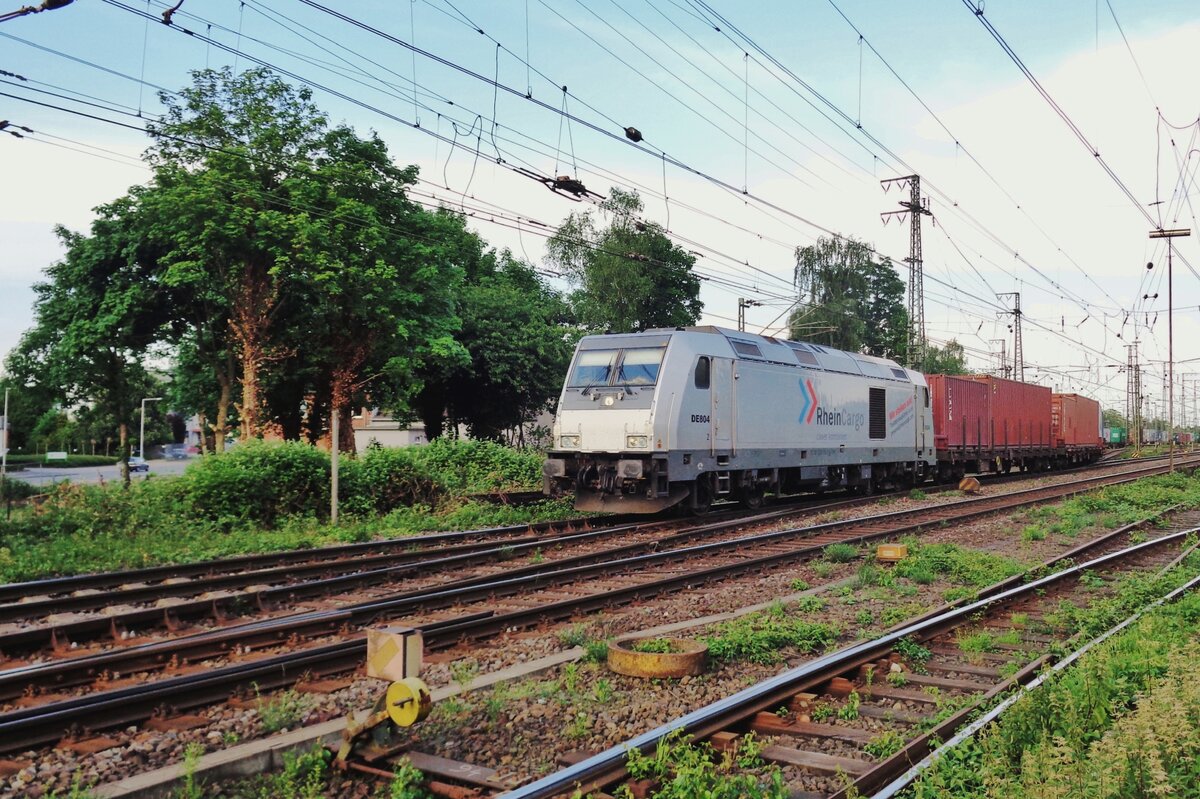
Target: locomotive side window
746,348
877,413
702,367
639,367
592,368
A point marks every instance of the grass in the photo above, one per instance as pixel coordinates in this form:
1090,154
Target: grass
266,498
680,768
761,637
1124,721
95,547
284,710
840,553
966,567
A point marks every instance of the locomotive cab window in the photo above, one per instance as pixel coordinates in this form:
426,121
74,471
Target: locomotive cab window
702,368
877,413
639,367
592,368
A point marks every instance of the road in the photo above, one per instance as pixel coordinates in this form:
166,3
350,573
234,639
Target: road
40,475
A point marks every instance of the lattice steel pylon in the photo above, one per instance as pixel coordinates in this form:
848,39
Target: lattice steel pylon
1018,350
916,207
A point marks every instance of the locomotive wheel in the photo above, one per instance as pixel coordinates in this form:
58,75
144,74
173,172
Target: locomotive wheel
702,495
751,497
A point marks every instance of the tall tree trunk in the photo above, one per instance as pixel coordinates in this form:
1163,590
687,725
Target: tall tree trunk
124,443
250,409
220,426
249,323
202,443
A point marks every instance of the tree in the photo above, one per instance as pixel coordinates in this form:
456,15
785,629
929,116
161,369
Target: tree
629,275
948,360
1113,418
302,271
848,300
518,335
96,318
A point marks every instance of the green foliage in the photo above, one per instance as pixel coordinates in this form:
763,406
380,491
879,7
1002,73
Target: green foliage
799,585
811,604
840,553
870,574
408,782
681,769
897,679
962,566
17,489
848,299
602,691
759,637
629,276
849,711
1033,532
515,332
81,790
464,671
917,494
864,618
1121,722
283,710
595,651
977,643
912,651
272,496
884,745
580,726
822,568
189,787
822,711
72,461
948,360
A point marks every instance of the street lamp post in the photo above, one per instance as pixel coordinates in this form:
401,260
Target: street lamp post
142,431
1168,235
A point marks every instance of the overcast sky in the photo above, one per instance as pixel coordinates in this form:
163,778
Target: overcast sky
801,113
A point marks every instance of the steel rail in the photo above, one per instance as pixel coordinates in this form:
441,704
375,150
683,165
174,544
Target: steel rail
451,630
474,588
111,624
606,766
904,780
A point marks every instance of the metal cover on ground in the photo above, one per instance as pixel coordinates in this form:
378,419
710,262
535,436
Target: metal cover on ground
684,658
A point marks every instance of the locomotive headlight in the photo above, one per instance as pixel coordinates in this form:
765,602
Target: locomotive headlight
637,442
568,442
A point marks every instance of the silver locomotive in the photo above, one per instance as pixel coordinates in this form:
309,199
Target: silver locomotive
650,420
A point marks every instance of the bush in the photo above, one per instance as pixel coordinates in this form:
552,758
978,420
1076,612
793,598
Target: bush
17,489
72,461
840,553
259,482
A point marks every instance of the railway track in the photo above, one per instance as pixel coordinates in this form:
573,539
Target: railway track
224,588
480,607
825,716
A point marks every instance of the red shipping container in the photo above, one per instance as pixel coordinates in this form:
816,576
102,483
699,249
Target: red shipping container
1019,413
960,412
1075,421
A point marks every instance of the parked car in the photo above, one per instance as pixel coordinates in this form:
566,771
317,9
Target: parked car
175,452
138,464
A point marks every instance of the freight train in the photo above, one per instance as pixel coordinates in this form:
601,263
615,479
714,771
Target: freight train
647,421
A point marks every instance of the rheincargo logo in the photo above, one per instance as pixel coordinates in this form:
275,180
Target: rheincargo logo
811,411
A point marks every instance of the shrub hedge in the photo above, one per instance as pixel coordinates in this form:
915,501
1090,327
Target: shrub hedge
72,461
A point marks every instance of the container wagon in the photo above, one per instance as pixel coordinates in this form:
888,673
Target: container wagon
988,424
1116,436
1075,429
